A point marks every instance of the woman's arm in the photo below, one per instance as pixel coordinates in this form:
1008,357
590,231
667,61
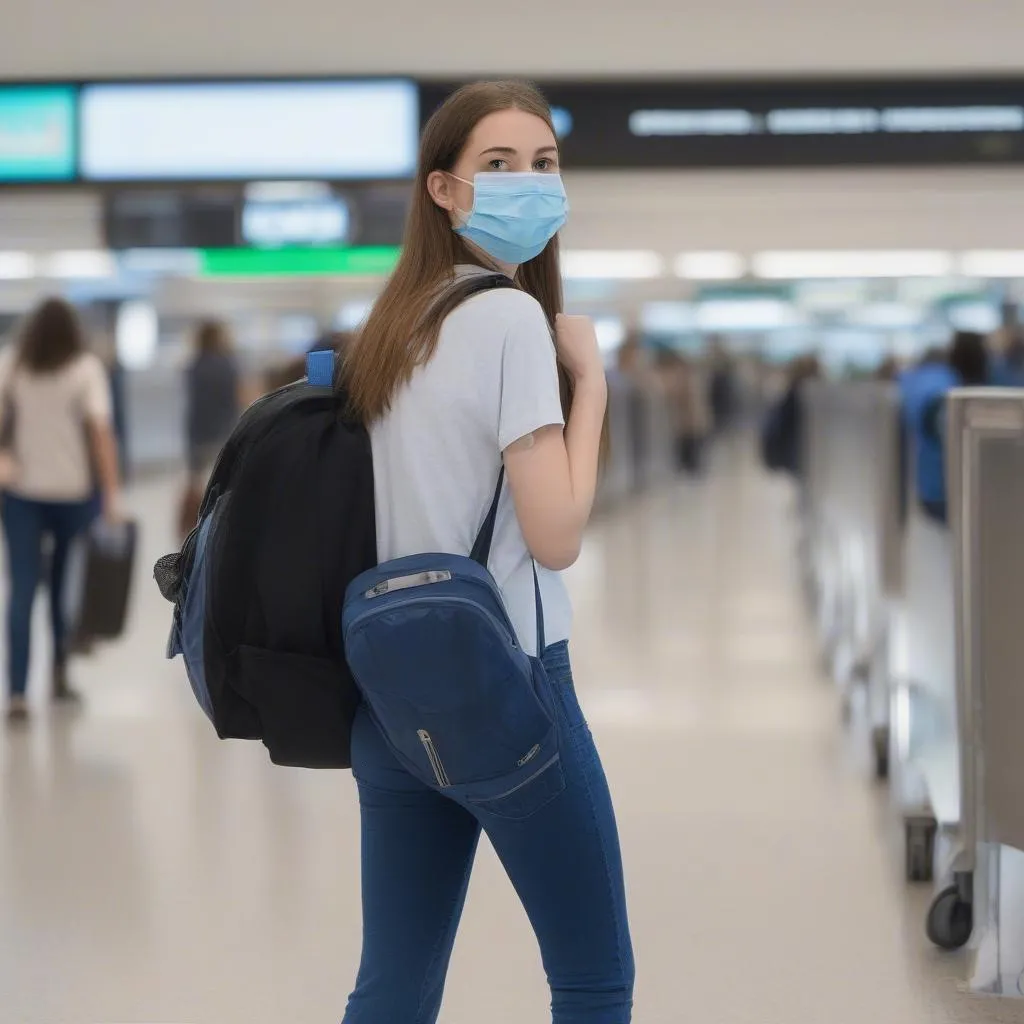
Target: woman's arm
104,453
553,473
99,425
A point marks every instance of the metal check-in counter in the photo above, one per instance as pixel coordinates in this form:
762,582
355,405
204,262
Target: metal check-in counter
985,471
882,580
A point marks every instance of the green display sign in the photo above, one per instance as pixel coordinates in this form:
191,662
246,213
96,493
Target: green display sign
353,261
37,133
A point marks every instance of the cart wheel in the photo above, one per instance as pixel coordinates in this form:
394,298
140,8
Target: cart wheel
920,848
950,919
880,746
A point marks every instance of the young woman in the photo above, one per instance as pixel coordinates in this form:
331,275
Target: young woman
55,403
450,398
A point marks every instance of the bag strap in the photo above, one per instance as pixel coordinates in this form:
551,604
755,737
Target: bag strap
462,288
482,545
539,606
482,550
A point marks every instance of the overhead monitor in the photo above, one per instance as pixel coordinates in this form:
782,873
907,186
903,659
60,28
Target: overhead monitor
280,214
681,123
238,131
37,133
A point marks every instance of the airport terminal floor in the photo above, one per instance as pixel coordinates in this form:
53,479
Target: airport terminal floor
152,873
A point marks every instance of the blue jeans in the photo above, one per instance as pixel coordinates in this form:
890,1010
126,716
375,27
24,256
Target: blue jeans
564,861
25,524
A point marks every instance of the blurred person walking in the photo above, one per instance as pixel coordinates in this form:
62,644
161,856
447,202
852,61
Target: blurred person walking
722,386
782,433
923,391
58,444
698,416
458,398
212,407
685,391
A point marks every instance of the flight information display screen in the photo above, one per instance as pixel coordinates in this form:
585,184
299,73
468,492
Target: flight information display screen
244,131
37,133
638,124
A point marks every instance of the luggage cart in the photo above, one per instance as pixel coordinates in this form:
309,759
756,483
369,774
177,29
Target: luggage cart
855,539
985,486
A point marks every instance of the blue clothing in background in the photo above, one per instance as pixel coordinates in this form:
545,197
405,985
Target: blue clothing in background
1006,374
920,389
25,524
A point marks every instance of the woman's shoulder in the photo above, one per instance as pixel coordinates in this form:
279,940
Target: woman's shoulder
87,364
84,371
497,310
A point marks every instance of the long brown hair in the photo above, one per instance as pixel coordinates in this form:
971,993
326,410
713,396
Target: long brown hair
402,330
51,336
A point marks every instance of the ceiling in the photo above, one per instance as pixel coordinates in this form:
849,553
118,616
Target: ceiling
62,38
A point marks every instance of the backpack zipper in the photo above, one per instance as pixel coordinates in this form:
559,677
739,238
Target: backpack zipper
503,626
419,579
435,759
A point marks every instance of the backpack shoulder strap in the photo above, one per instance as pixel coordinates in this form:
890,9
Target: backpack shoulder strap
482,550
461,289
482,546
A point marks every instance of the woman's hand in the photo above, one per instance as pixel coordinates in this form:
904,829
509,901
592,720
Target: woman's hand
576,344
112,509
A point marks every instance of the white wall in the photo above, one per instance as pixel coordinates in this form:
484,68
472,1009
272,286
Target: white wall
670,211
539,37
746,211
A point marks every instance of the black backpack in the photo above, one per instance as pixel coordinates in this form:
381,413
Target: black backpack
286,523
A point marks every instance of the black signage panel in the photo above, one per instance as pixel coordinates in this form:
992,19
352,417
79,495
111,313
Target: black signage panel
270,215
680,124
170,219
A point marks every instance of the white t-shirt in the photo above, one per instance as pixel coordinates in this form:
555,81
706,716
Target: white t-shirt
51,415
437,453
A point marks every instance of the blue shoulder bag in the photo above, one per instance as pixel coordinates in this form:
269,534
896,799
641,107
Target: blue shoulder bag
460,703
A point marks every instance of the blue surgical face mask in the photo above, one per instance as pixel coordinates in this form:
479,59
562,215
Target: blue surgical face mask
514,216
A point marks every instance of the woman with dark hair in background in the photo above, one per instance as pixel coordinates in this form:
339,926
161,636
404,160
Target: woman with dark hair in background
56,411
212,403
968,357
782,434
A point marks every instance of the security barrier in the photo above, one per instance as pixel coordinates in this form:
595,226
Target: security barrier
985,461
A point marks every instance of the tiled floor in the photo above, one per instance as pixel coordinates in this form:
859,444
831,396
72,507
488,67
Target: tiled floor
149,873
